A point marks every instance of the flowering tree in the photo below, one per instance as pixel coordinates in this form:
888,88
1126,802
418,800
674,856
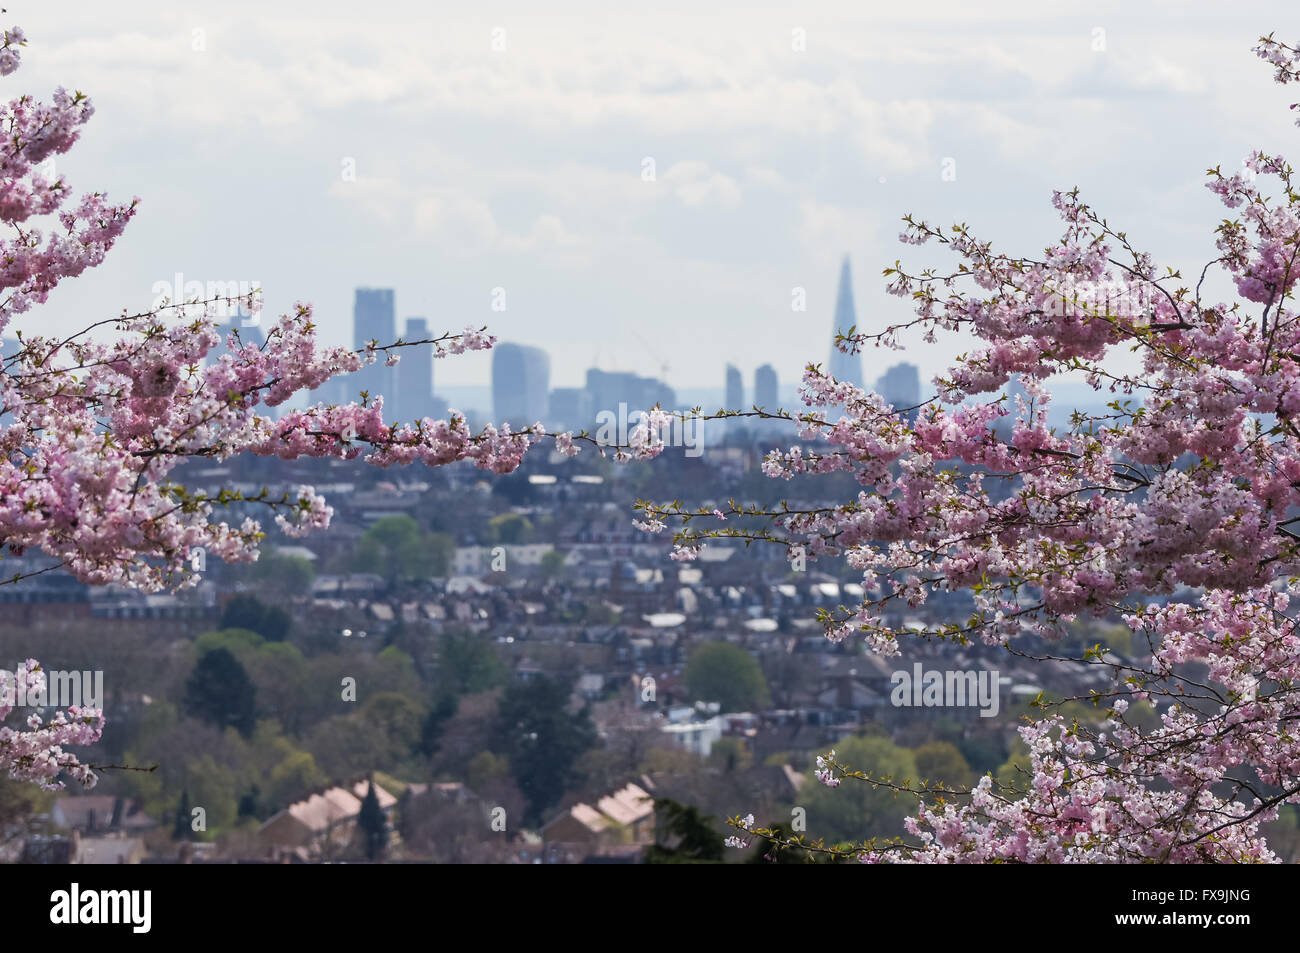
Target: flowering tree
1190,480
92,425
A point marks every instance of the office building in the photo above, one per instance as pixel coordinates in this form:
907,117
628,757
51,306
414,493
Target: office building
845,368
373,319
571,408
521,378
608,389
735,393
765,388
900,386
415,374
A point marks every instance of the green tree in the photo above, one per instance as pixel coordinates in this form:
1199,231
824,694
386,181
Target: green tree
467,664
442,547
248,612
552,564
683,836
372,824
442,711
219,692
278,671
942,761
486,769
182,829
347,745
295,776
510,528
542,740
250,804
395,670
284,575
397,548
726,673
857,810
216,790
398,719
241,643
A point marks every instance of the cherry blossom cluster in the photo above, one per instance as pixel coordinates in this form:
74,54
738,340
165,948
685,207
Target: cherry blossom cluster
1190,482
1286,57
37,753
1194,789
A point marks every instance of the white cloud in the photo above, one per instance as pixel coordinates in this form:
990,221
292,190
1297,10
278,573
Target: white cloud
455,222
694,183
831,230
523,166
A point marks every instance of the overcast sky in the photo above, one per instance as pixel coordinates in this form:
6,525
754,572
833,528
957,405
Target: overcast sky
478,167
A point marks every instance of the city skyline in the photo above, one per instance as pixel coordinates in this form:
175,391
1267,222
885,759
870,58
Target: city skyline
602,390
520,386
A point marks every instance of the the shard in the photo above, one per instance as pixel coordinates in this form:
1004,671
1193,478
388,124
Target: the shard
846,368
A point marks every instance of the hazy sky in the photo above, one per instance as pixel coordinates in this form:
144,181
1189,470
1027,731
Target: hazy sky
522,168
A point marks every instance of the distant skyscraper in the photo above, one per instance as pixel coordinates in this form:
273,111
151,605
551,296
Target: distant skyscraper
521,379
330,392
735,399
845,368
373,319
900,386
765,389
249,333
415,374
608,389
570,408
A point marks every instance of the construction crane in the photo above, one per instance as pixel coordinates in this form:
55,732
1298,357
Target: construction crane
663,365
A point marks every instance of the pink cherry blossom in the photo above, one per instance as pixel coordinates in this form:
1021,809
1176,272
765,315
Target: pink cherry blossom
1188,484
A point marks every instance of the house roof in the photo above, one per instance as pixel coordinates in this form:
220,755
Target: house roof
323,809
627,805
318,812
588,817
109,850
386,800
75,810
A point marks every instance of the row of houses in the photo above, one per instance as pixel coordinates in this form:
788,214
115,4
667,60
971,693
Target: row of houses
619,825
321,825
